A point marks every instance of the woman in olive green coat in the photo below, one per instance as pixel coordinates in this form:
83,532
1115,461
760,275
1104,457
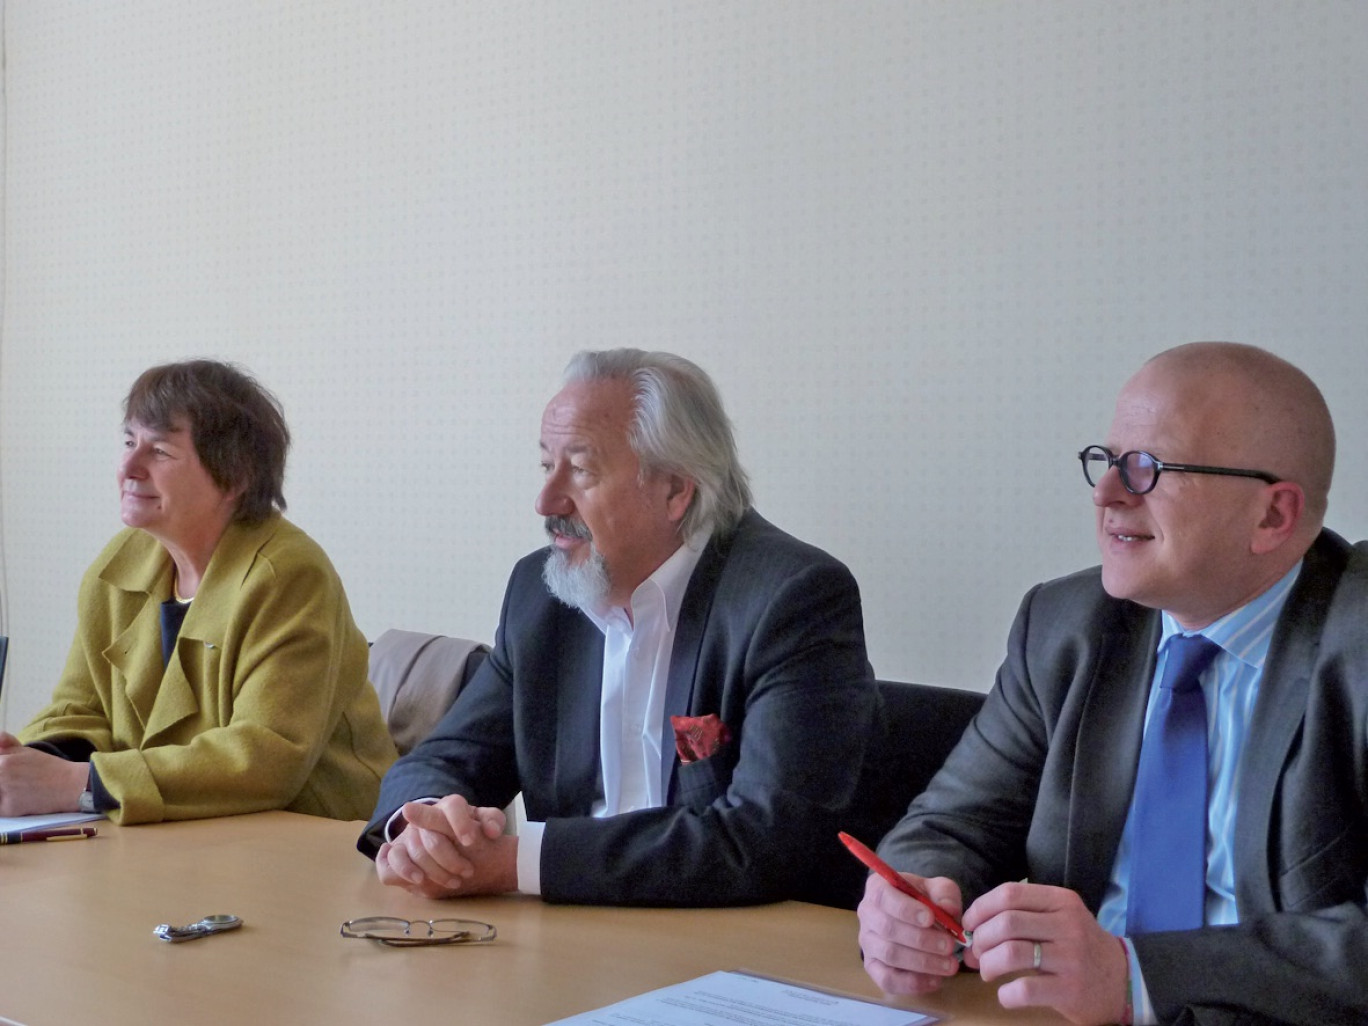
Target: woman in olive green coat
216,667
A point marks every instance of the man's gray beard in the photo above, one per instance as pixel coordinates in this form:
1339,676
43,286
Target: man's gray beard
581,586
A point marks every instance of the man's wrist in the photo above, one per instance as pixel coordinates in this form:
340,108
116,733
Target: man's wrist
394,826
1127,1017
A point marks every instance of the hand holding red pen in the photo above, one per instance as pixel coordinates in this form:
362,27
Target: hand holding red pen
900,882
905,949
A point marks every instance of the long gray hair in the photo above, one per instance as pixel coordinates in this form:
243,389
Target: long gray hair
679,427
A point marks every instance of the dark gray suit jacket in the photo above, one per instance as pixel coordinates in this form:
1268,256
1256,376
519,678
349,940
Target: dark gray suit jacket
770,639
1041,783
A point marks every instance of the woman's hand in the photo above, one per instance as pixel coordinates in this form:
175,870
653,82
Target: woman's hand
34,782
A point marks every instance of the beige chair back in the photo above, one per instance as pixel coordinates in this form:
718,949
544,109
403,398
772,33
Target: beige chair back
417,677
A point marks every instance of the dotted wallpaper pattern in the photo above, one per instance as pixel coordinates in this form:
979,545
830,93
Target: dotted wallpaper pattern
919,246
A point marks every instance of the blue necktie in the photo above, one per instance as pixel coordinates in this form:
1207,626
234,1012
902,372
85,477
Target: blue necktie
1168,865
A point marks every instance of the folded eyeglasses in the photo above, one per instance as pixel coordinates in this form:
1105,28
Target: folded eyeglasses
405,933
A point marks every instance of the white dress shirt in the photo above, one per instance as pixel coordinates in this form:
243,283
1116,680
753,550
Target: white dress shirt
1231,687
632,729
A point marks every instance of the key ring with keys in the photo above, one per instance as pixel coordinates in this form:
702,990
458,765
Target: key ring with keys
202,928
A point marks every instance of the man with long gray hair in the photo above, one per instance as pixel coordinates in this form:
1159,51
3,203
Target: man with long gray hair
678,689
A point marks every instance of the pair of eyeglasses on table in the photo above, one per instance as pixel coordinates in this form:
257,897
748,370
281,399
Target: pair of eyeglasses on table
406,933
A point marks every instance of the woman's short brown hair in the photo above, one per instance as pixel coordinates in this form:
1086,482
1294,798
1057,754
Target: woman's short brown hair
237,427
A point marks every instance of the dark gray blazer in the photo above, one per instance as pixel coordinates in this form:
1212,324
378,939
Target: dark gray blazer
1041,783
770,639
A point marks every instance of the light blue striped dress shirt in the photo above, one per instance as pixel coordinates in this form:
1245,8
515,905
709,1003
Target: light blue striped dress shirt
1230,686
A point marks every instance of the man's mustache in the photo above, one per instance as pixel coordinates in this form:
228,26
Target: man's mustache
568,527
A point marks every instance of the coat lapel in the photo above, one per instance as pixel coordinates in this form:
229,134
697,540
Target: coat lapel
163,696
199,644
177,698
141,569
136,655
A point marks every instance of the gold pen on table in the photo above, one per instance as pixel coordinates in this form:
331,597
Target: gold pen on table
71,833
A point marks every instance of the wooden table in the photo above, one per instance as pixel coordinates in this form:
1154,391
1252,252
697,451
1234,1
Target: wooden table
76,943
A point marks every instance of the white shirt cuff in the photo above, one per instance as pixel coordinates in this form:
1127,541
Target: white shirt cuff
1142,1009
529,856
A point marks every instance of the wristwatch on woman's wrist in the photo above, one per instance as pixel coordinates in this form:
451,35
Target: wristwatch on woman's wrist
86,803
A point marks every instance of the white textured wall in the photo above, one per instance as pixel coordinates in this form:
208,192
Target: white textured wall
919,245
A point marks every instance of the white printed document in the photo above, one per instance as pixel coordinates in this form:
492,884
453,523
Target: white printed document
42,822
743,999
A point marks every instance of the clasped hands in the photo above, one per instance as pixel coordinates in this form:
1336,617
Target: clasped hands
450,848
1066,960
34,782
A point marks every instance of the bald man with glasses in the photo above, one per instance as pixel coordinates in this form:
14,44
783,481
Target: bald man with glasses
1161,813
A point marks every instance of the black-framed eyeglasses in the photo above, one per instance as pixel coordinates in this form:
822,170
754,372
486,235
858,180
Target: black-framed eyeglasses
1140,470
404,933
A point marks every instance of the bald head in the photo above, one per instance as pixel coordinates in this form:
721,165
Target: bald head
1257,410
1203,541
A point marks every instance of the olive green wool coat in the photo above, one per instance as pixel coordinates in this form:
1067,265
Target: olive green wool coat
265,703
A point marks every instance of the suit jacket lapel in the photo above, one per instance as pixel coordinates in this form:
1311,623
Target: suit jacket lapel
688,641
579,685
1104,770
1277,719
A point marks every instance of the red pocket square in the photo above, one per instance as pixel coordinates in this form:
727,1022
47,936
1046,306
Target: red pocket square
698,737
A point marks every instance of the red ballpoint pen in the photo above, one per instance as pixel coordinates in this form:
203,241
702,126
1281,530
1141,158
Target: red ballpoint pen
943,918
